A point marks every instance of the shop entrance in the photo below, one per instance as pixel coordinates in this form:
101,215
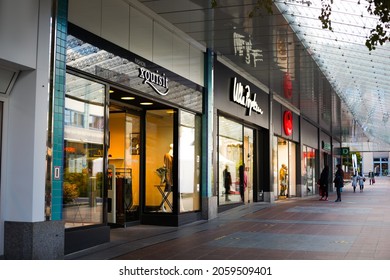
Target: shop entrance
284,164
123,166
140,158
236,162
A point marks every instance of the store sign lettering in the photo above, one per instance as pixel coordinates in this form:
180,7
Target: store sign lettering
154,80
242,95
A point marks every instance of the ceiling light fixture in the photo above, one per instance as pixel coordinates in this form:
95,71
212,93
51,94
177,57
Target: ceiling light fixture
146,103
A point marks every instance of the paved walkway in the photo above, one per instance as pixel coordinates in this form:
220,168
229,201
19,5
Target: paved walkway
293,229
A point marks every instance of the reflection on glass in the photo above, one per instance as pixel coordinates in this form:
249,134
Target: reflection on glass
284,168
230,158
1,121
189,163
308,170
248,154
159,177
275,166
283,172
292,168
124,162
83,152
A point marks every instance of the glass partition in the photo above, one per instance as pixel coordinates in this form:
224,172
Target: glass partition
308,170
284,166
189,162
249,161
159,176
1,137
292,170
123,167
230,158
83,152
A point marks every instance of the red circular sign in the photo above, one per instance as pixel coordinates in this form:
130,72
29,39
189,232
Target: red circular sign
287,86
288,122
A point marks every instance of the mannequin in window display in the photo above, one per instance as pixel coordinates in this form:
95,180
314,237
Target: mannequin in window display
168,163
283,180
227,182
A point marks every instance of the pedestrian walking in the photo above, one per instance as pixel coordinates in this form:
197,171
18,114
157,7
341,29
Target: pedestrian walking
371,175
323,182
338,181
354,181
361,180
243,181
227,182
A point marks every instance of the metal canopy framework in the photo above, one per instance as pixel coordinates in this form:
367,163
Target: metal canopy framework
358,76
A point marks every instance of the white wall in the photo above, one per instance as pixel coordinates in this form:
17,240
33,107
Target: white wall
18,32
132,27
367,162
26,108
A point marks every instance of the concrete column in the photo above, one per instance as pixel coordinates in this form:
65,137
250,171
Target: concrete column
23,201
209,201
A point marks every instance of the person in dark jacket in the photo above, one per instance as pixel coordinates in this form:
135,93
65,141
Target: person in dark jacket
324,181
338,181
227,182
243,181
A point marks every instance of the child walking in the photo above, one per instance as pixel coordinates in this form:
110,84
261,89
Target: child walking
354,181
361,180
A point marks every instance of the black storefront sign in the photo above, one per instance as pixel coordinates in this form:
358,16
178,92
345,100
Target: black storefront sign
239,97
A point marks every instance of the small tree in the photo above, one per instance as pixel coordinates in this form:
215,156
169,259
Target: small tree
70,193
347,160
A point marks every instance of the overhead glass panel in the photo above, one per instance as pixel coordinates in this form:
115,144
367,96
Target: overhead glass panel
359,76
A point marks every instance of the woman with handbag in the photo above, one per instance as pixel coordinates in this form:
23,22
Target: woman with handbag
339,181
354,181
361,180
323,182
371,176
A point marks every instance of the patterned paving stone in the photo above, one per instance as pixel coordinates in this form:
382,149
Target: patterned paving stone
292,242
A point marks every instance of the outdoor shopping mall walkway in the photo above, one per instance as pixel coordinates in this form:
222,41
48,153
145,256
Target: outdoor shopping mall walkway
298,229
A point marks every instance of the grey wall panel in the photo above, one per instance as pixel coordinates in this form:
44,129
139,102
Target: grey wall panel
309,134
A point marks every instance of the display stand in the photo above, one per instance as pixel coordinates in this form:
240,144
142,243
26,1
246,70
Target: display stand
77,212
165,196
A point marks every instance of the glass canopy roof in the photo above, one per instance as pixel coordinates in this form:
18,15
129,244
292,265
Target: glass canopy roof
359,76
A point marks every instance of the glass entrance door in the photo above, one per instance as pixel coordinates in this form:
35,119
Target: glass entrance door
248,156
160,177
284,168
1,129
123,167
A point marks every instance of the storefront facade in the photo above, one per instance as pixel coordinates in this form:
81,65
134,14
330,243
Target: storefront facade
132,134
241,111
310,158
113,123
285,154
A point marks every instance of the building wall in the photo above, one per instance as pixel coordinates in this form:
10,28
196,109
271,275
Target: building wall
367,162
20,37
24,45
131,28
